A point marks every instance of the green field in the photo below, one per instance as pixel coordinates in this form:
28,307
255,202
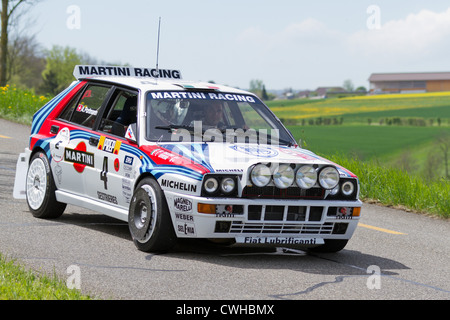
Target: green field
361,109
365,141
407,131
408,148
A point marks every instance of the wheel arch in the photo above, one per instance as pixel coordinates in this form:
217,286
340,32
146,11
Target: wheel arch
142,177
36,150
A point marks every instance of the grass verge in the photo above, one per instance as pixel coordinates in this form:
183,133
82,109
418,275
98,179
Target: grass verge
19,105
394,187
16,283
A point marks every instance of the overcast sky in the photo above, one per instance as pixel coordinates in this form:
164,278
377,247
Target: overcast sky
285,43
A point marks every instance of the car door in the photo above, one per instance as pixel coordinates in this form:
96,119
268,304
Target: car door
107,182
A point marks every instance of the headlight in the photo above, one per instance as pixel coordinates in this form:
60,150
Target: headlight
347,188
283,176
328,177
260,175
227,185
306,177
211,185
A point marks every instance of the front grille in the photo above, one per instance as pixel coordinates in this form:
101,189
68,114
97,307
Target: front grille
284,213
272,192
283,220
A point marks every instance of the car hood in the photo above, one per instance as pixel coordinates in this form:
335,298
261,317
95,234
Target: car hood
237,158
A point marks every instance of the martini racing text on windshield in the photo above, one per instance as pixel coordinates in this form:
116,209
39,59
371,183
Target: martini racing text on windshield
180,159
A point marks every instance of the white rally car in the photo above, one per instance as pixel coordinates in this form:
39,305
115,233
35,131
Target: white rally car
178,159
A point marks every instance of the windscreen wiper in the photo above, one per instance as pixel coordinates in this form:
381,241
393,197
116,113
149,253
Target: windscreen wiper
173,127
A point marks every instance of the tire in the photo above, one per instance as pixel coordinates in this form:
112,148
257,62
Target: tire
330,246
40,189
149,219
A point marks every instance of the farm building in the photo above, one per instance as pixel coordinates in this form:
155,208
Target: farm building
409,82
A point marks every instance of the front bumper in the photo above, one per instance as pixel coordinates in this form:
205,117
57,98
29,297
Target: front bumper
263,221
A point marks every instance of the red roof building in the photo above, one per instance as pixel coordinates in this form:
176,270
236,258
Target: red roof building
410,82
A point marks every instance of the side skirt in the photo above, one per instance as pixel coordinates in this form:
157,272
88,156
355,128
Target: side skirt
90,204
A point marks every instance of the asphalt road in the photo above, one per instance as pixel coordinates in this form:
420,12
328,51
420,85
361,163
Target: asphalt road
393,255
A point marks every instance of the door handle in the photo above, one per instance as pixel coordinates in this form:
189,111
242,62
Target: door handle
54,129
93,141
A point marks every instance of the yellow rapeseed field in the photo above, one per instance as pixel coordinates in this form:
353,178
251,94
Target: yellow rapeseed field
335,107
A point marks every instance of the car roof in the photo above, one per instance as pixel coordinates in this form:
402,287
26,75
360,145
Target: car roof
146,84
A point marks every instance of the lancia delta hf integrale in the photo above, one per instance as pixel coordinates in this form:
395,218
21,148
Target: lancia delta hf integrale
177,159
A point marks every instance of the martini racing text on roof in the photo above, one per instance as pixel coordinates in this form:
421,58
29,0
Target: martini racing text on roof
82,71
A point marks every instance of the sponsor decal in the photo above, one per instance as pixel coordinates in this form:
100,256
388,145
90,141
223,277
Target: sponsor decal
182,204
230,170
128,167
224,211
58,144
297,153
127,190
128,160
81,71
258,151
166,157
109,145
116,164
203,96
344,213
79,157
184,217
186,228
279,240
106,197
58,173
179,185
130,134
85,109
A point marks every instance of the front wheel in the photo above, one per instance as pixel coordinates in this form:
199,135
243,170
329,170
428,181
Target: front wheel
149,219
40,189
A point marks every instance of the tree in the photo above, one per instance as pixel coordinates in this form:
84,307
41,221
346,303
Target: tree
256,85
25,62
9,8
348,85
264,95
59,69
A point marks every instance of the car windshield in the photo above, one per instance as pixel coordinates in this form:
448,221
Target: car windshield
209,116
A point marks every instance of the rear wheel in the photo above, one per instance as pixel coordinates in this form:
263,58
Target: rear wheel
40,189
149,219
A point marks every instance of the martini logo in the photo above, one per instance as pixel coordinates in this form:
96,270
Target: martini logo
109,145
79,157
